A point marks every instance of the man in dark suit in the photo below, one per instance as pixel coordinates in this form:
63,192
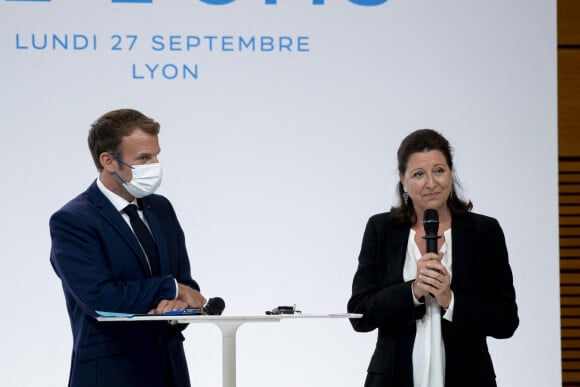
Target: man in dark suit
111,258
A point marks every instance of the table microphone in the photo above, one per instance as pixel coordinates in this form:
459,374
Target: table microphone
214,306
431,226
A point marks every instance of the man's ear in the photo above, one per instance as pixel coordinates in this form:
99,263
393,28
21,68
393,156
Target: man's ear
108,162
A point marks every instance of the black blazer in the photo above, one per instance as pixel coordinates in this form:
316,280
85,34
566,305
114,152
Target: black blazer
102,267
482,285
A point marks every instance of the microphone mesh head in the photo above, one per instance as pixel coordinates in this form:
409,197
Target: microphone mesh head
215,306
431,221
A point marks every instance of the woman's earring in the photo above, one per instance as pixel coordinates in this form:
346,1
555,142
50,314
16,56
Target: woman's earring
405,197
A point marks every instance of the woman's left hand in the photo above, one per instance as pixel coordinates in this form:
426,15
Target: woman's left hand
433,278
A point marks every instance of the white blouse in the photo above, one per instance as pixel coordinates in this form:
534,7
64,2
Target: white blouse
428,350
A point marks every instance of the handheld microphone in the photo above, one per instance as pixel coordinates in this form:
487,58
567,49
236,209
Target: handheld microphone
431,226
214,306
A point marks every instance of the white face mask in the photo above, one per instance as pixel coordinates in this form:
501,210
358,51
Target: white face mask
146,179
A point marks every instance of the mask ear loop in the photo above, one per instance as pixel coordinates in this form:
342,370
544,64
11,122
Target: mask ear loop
120,178
120,160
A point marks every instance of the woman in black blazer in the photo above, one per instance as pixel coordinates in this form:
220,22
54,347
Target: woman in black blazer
433,311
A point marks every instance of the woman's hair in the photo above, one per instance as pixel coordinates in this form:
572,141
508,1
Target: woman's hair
424,140
107,131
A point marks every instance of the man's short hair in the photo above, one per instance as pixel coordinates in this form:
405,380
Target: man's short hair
107,131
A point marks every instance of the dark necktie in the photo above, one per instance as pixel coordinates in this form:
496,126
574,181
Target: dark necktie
145,238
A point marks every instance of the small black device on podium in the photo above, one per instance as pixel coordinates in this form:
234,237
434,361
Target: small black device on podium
283,310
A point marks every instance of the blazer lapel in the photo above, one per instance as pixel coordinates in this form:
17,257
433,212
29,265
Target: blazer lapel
395,256
114,218
463,244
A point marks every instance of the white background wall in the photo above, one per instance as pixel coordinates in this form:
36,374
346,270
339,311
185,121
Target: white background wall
275,160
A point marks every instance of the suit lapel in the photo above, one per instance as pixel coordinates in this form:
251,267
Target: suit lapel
463,237
395,256
114,218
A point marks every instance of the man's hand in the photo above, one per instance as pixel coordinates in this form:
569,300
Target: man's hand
190,296
165,306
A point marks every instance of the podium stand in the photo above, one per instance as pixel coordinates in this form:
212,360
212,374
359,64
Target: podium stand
229,325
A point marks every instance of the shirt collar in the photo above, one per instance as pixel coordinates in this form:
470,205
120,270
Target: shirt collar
118,202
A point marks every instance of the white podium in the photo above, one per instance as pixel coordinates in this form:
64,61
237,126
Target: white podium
229,326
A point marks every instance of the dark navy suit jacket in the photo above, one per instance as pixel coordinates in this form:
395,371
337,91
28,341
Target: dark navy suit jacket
482,285
103,268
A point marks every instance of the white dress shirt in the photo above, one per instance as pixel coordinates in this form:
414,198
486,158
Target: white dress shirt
428,349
